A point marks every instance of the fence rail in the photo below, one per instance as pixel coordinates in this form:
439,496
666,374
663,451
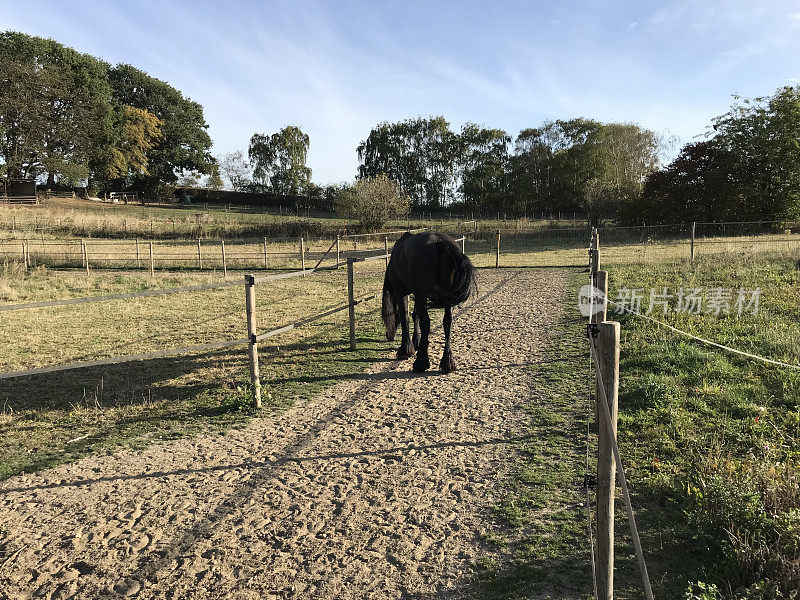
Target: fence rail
251,340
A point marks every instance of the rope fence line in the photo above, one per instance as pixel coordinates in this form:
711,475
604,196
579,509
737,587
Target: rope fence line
706,341
144,254
599,329
381,233
609,462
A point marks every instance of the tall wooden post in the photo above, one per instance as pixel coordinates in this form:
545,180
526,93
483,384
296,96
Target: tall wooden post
224,261
266,263
601,283
25,254
138,257
303,255
199,255
338,258
351,302
152,261
250,303
497,251
463,244
607,345
691,250
386,249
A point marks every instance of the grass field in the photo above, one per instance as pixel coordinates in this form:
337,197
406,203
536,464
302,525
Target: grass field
712,438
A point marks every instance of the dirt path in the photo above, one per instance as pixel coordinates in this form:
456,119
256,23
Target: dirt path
379,488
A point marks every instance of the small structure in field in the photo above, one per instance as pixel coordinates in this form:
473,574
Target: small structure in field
19,191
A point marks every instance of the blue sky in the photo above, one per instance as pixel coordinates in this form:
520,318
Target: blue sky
338,68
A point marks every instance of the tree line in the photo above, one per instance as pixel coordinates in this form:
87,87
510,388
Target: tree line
74,119
71,119
577,165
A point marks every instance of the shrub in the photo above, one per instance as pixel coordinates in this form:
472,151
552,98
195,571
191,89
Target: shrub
372,201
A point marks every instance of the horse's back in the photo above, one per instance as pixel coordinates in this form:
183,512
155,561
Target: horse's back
431,264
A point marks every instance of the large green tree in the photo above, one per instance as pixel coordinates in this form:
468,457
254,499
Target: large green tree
137,132
482,165
56,111
582,164
697,186
762,136
279,160
184,143
420,154
749,168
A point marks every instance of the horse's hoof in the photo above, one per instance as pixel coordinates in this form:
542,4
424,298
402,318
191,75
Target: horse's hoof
404,354
420,366
447,365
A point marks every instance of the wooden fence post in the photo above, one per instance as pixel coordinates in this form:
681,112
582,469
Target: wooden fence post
250,303
386,249
463,244
601,283
224,261
497,251
595,251
85,252
607,347
152,261
303,256
351,302
338,258
138,258
691,249
25,258
266,264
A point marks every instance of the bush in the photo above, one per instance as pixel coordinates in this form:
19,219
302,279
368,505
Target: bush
372,201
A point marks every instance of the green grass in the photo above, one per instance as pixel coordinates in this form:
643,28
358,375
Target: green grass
710,443
711,439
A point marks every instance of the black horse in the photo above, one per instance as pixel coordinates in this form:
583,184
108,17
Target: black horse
432,267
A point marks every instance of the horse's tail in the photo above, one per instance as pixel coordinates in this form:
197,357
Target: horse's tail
388,308
457,265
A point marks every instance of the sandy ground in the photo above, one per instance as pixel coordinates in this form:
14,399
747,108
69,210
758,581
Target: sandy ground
379,488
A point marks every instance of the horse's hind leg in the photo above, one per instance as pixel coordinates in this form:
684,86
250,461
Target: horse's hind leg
406,349
447,364
415,318
422,363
